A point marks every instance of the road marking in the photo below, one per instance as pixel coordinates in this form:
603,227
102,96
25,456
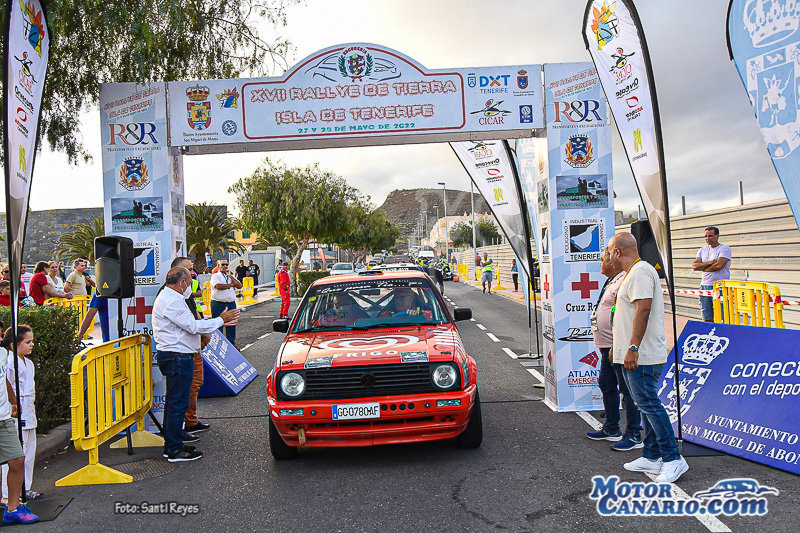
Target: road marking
495,339
511,354
472,320
264,335
246,347
481,327
535,373
712,523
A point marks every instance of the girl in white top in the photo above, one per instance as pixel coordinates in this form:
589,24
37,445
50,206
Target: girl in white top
27,395
52,276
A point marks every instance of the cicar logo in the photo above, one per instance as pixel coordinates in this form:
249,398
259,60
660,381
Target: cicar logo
577,111
133,134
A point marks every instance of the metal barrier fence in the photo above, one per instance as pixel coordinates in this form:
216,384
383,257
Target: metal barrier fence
81,303
112,388
747,303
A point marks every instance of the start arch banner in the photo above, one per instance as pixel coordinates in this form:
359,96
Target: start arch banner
364,93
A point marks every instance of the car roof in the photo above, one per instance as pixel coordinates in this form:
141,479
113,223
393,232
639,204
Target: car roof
389,274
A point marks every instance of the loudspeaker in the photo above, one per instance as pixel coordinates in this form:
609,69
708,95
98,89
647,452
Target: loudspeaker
114,266
648,249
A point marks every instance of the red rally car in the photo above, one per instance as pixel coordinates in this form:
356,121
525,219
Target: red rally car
372,358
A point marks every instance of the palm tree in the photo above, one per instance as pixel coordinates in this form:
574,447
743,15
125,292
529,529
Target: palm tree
208,229
80,241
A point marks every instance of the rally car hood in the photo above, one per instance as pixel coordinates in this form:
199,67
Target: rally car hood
386,346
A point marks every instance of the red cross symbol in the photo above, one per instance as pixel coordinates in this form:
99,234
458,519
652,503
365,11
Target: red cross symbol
546,287
140,310
585,286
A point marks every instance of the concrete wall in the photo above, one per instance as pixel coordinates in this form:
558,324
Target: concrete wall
763,237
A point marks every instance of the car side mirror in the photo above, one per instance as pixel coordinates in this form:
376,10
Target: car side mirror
460,313
282,325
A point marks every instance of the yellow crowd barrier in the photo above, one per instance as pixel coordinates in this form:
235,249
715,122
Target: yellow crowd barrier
276,293
498,287
81,303
206,296
747,303
117,377
248,291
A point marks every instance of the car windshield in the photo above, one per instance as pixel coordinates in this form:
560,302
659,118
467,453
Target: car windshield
342,266
369,304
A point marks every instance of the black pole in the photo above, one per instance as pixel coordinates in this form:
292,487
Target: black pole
119,337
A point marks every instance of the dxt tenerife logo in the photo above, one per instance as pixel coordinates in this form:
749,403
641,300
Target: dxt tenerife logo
33,26
729,497
579,151
229,98
605,24
133,134
492,113
577,111
133,173
198,108
355,63
490,84
699,351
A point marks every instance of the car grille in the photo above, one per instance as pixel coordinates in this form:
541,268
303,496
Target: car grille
361,381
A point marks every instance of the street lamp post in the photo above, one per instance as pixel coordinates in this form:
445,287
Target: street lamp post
446,248
438,231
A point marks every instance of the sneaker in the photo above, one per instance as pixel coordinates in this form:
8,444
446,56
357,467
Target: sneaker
20,515
196,428
186,448
643,464
627,443
188,437
183,455
672,470
602,435
484,289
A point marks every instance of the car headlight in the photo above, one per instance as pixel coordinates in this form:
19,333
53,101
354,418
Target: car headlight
293,384
444,376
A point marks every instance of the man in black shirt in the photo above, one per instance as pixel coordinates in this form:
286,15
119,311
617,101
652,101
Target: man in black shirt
241,273
255,271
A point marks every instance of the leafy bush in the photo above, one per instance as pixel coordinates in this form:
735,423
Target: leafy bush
54,331
305,279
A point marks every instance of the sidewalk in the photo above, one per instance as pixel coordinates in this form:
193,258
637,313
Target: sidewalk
507,291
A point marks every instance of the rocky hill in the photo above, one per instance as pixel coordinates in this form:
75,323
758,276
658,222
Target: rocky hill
403,208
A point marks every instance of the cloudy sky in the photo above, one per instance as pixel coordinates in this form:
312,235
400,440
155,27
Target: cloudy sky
711,138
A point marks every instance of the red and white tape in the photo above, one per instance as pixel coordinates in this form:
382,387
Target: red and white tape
773,299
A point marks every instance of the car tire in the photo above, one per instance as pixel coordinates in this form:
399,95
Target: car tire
279,449
473,435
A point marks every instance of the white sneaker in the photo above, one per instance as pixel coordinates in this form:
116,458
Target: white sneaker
643,464
672,470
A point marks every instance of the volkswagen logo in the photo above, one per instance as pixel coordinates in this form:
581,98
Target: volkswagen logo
367,380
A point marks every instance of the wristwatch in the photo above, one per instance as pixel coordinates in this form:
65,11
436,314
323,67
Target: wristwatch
633,348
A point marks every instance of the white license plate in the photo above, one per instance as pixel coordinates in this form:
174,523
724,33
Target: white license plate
356,411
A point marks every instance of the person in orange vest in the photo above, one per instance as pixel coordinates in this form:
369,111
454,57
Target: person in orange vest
283,288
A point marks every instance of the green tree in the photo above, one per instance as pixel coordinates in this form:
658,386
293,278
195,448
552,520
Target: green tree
303,203
145,41
209,229
373,231
461,234
79,241
486,232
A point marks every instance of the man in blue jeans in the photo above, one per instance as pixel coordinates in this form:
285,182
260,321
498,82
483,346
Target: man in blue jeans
177,336
223,296
611,380
714,261
641,345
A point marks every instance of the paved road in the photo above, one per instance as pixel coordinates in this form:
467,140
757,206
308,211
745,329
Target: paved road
532,473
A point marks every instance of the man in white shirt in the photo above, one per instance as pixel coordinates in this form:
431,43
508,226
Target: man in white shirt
177,335
640,344
714,261
223,296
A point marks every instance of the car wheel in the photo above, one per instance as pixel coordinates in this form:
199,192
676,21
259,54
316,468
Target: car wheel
280,450
473,435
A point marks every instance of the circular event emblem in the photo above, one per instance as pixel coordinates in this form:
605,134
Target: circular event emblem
383,341
229,127
355,63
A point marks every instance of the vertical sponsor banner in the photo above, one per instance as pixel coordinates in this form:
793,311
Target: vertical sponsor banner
764,44
613,35
576,220
25,57
531,156
143,198
489,165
